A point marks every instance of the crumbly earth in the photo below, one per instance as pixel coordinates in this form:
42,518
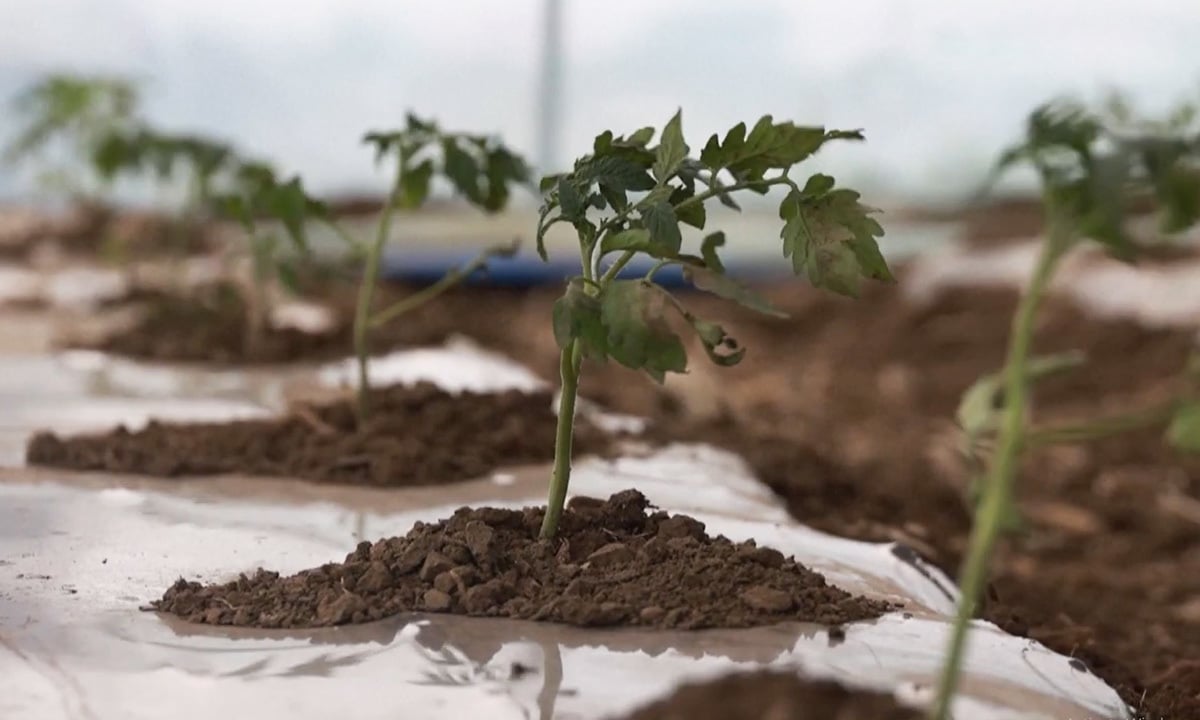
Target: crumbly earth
773,695
416,435
614,562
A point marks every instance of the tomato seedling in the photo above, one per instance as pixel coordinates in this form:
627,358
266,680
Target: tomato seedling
480,169
70,114
260,193
628,198
1091,169
144,152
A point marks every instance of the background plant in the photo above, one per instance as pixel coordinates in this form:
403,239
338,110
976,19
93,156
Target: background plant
65,118
165,159
628,198
479,168
258,194
1092,168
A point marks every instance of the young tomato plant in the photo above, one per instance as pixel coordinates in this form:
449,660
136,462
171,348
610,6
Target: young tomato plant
1090,172
629,198
71,115
480,169
259,193
144,153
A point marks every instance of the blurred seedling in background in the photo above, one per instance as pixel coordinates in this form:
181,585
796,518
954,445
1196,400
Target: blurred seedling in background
479,168
628,198
1093,169
143,153
259,194
65,118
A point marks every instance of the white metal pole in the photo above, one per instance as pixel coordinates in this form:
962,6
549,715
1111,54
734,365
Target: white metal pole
549,123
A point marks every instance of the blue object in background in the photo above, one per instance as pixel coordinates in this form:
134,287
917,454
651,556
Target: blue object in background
524,271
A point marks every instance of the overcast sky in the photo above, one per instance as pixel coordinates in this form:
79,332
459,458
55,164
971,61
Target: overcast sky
938,85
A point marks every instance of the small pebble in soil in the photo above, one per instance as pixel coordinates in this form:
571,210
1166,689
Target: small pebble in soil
614,562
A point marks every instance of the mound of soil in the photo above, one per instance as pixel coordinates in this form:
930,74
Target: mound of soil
416,435
97,231
208,324
613,563
769,695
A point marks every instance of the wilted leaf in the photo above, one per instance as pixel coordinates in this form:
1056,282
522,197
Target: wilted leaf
721,348
637,333
830,238
708,251
576,316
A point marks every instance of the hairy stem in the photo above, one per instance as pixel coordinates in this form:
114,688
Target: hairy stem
366,295
570,362
998,490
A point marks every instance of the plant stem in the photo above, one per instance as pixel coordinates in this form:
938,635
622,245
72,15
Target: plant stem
257,312
424,295
1102,428
366,295
570,362
998,491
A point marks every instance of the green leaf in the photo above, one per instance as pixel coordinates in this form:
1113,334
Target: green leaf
708,251
617,171
724,286
671,149
414,185
576,316
1184,431
636,239
637,333
462,170
289,203
570,202
830,238
641,137
660,220
692,214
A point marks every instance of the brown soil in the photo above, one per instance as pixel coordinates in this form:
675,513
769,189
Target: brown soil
96,231
772,695
208,325
613,563
416,435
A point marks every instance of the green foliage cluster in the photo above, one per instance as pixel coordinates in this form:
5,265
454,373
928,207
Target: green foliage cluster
629,197
72,114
